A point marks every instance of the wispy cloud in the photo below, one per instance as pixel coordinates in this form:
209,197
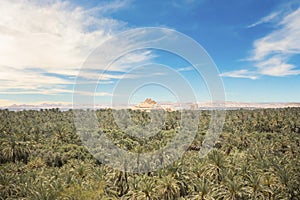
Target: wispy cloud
189,68
271,54
265,19
13,78
276,66
54,38
51,36
94,94
240,74
109,7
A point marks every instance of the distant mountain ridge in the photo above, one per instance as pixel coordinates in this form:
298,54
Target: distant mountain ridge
149,104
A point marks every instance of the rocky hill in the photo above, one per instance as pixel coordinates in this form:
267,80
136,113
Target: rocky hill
148,104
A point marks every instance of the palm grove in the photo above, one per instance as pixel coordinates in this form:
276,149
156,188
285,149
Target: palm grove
257,156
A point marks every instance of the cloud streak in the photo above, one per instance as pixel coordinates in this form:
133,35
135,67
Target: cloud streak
240,74
265,19
271,54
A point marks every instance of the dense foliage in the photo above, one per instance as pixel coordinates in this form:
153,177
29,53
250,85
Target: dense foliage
257,156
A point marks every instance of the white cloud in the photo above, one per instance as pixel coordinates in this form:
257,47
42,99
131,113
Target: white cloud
240,74
54,37
276,66
95,94
12,78
265,19
271,54
50,36
285,40
109,7
131,60
186,69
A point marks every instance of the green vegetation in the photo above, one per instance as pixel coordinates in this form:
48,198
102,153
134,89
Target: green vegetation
256,157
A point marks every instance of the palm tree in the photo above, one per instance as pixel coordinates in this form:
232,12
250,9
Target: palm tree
14,151
147,189
8,185
167,188
254,185
216,163
202,190
232,188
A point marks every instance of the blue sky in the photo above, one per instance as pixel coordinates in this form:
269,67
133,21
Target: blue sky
254,44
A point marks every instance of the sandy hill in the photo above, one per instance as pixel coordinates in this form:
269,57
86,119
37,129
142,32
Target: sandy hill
145,105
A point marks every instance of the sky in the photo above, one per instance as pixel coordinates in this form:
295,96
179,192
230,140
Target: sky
254,44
